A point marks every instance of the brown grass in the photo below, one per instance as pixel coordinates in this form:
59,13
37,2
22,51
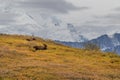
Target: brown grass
58,62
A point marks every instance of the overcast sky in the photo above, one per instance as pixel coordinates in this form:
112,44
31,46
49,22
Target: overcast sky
90,17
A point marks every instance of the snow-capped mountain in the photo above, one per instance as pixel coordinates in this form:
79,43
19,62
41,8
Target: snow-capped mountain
75,34
105,42
109,44
48,29
43,25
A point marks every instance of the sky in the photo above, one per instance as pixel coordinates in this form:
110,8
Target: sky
91,18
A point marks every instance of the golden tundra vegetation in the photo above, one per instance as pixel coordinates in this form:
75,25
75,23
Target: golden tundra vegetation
19,61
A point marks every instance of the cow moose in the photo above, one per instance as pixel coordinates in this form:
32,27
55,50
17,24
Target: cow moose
44,47
32,39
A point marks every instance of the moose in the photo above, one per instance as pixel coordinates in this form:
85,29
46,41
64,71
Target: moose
32,39
44,47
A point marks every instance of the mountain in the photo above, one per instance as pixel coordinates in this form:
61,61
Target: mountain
72,44
19,60
43,25
75,34
48,30
105,42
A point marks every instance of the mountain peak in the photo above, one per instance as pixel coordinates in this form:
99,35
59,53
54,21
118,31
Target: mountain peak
107,43
104,37
116,35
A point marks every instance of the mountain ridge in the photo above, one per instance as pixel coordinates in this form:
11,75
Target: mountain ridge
105,42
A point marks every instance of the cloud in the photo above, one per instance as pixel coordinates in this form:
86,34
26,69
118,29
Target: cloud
10,10
55,6
93,31
101,24
117,9
112,18
7,18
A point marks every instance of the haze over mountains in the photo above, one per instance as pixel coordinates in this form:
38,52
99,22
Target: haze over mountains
17,21
49,27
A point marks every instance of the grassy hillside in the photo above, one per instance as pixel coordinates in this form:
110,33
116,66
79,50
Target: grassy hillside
19,61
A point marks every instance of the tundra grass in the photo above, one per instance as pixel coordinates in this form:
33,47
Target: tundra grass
19,62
